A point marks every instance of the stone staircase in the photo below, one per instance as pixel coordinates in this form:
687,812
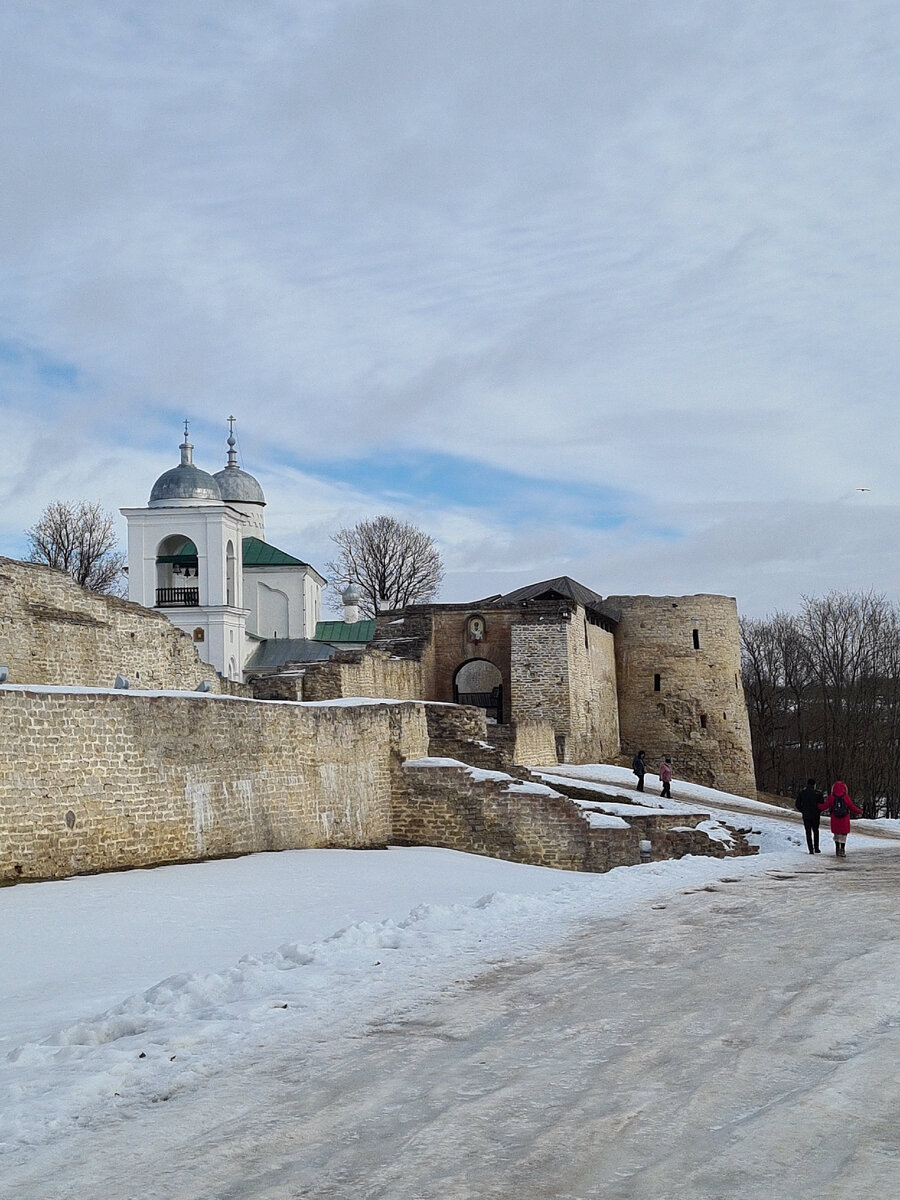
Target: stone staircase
671,834
523,818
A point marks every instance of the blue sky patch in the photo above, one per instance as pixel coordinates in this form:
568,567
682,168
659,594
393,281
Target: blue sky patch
440,480
53,372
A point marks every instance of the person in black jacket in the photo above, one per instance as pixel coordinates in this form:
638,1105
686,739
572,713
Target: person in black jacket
808,802
639,766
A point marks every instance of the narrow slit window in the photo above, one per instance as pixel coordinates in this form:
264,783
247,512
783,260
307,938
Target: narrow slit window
696,639
656,683
703,720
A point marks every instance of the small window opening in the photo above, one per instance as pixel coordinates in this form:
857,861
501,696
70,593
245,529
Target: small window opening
656,682
703,720
696,639
724,716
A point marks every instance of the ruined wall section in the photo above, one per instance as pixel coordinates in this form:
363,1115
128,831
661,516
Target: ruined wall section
54,632
524,744
450,805
94,781
368,673
678,671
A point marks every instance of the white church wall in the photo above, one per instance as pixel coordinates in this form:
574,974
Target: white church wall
277,600
273,611
312,606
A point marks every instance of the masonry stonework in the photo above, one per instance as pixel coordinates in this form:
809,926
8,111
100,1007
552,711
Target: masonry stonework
372,674
610,676
525,743
451,806
678,670
97,779
94,781
53,631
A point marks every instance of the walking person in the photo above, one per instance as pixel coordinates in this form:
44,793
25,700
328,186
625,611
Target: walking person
809,802
665,778
640,769
839,804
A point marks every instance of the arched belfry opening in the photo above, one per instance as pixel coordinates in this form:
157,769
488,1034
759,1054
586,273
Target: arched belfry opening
230,574
177,584
479,682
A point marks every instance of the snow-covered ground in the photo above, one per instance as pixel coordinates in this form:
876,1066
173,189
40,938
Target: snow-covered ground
122,991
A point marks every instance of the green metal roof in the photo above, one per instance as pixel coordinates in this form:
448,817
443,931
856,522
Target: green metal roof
340,631
257,553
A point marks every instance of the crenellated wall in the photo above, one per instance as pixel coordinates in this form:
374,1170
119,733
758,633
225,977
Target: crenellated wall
678,671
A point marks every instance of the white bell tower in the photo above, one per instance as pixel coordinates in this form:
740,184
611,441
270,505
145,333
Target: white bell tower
185,559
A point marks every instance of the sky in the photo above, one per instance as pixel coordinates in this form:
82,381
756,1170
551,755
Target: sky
600,289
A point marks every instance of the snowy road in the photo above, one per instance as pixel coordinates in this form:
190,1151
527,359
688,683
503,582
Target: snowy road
737,1041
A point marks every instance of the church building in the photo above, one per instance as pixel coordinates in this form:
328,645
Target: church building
198,553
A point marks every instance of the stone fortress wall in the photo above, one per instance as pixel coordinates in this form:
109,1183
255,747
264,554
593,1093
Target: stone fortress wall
93,778
53,631
103,780
662,674
678,666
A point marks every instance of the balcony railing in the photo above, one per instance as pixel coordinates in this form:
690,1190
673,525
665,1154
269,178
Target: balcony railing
177,597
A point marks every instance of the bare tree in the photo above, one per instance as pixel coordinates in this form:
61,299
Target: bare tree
80,539
823,695
392,561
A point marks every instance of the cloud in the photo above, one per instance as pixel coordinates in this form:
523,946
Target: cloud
635,250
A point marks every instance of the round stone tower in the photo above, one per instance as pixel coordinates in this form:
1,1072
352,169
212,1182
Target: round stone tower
678,669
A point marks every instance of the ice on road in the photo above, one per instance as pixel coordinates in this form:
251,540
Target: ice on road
738,1039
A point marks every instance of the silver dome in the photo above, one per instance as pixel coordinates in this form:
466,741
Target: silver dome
185,482
237,485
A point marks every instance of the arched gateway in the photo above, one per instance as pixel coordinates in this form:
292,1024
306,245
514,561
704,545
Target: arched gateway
480,683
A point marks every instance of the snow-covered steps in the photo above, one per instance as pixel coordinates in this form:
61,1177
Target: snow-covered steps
444,802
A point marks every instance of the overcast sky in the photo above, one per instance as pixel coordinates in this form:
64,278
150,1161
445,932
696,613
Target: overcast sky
606,288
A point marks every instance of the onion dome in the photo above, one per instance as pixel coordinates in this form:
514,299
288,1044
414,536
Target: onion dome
184,482
235,485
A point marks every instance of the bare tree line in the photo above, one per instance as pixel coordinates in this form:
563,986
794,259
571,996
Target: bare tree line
823,695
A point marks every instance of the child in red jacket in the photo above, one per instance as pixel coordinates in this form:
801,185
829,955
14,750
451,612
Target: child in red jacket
839,804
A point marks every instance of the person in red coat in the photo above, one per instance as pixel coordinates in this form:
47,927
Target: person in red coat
839,804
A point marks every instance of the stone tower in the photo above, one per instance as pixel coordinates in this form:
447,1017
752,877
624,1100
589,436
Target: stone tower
678,670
